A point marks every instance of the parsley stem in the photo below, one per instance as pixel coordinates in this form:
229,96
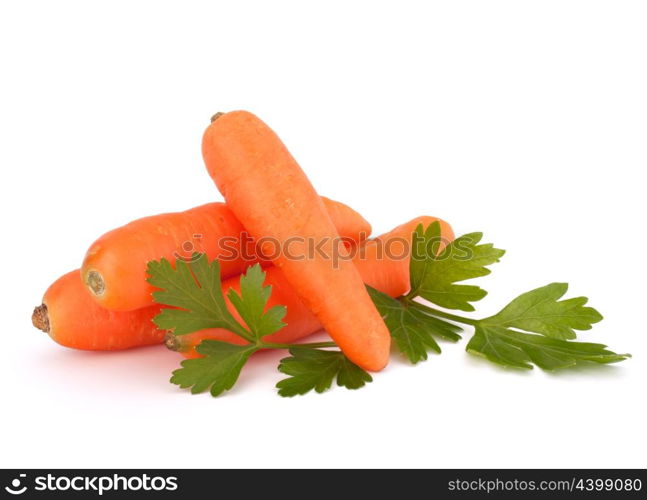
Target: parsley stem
442,314
452,317
311,345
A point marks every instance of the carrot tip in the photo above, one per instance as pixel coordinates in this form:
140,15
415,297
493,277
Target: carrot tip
40,318
216,116
95,283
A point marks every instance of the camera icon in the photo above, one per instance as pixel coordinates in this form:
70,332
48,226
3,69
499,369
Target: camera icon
190,251
15,488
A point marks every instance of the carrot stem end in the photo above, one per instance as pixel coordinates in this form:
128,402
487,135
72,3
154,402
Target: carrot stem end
216,116
40,318
172,343
95,283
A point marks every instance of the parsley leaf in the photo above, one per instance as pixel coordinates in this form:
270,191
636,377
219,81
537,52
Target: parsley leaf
539,311
218,370
412,329
251,302
517,349
434,274
316,369
194,288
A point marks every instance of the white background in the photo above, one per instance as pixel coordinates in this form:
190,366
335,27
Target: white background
525,120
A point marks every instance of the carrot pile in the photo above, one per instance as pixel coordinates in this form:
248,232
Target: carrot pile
108,303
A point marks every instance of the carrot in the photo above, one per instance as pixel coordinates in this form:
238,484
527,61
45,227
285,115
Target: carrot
73,319
114,268
269,193
383,264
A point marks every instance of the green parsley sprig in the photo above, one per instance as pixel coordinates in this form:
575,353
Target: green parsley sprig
536,328
194,292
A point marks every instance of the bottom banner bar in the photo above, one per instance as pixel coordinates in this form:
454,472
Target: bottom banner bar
208,483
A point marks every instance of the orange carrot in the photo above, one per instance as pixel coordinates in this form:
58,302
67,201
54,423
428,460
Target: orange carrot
73,319
114,268
269,193
383,264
